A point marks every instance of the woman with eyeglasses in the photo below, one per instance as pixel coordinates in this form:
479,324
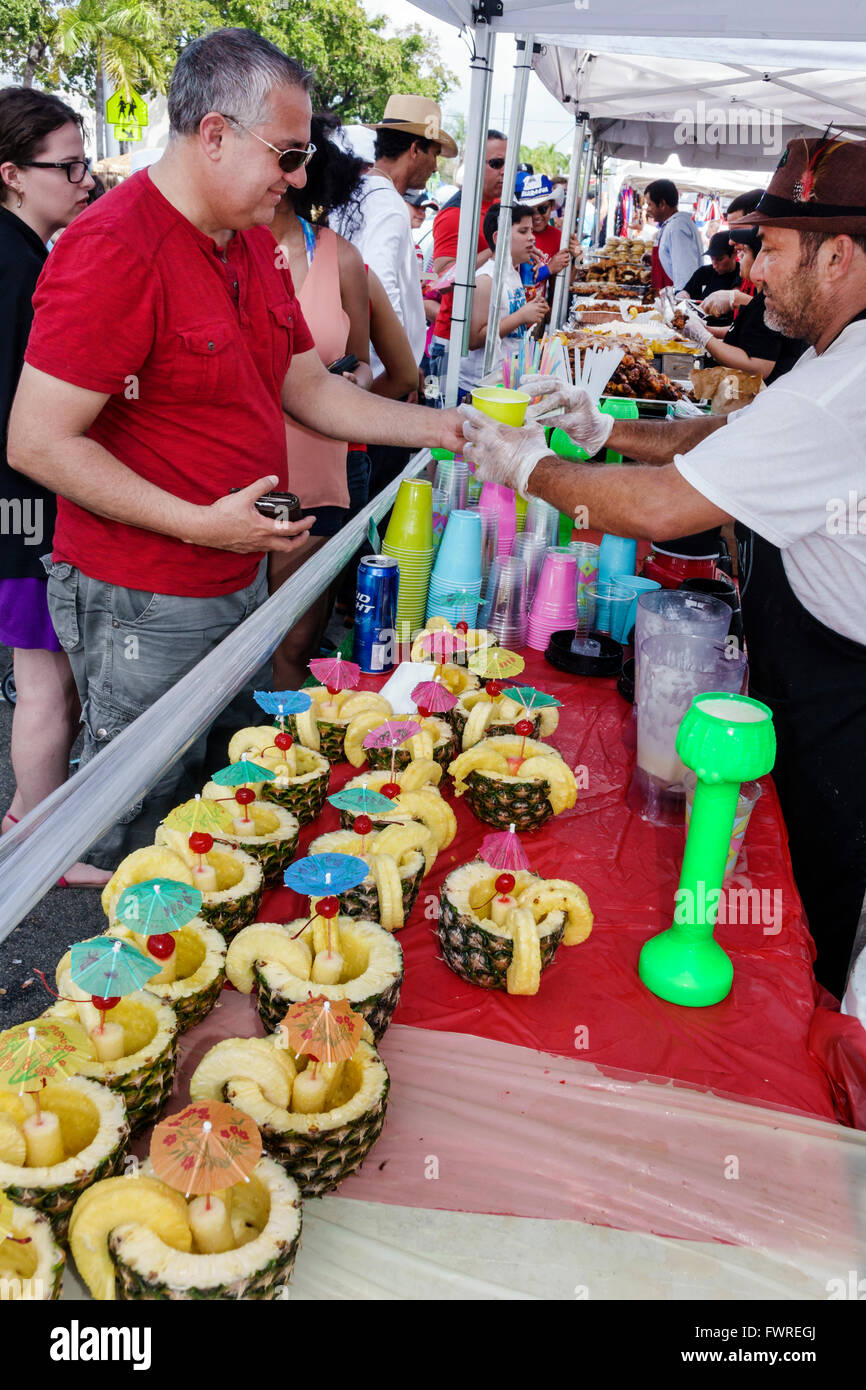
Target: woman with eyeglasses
44,185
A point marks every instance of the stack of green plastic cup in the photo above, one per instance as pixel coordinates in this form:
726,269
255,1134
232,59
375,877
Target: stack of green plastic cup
409,539
620,410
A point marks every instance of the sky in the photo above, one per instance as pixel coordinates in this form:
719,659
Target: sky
545,119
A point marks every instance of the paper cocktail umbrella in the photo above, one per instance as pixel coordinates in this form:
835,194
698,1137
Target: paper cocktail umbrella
531,698
158,905
504,850
431,697
32,1054
325,874
325,1029
391,734
282,703
726,740
109,968
205,1148
335,672
239,774
199,814
495,663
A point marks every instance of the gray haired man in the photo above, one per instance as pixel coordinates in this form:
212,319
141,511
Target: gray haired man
167,342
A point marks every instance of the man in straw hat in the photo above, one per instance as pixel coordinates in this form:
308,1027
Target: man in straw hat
791,470
409,141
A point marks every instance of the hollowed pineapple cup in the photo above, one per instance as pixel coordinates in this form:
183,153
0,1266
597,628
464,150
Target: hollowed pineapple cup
444,747
363,900
318,1150
461,712
473,946
32,1263
135,1242
95,1132
240,884
200,970
273,839
144,1076
278,959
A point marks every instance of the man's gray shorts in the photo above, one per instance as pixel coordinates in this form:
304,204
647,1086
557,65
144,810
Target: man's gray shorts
127,647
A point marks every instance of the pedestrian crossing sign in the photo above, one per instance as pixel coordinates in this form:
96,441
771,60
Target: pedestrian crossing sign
126,108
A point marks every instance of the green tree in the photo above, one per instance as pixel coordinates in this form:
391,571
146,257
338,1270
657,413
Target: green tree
120,41
546,159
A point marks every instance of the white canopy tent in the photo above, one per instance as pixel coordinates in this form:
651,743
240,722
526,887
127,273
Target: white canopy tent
635,77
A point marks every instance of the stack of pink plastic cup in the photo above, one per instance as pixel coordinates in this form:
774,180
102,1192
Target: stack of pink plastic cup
554,606
497,498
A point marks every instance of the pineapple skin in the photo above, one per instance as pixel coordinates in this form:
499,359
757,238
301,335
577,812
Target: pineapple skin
319,1162
482,957
363,900
265,1285
229,917
332,738
273,857
304,799
377,1010
27,1223
444,752
524,805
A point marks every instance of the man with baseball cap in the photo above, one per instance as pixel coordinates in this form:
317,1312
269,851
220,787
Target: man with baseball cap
722,273
791,470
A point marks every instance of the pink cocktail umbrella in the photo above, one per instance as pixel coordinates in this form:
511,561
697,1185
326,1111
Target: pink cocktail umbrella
390,734
432,698
504,850
335,673
442,645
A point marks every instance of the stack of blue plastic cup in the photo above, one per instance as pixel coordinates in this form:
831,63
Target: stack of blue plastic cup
457,570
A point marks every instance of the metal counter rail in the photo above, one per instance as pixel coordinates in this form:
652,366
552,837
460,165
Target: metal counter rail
65,824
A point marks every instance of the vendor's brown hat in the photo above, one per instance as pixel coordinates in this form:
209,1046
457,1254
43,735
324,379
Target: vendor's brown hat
818,186
417,116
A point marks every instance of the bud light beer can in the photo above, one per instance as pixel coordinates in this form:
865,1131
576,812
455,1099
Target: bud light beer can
375,637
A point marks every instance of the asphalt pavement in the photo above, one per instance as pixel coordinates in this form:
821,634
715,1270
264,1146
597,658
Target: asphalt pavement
64,915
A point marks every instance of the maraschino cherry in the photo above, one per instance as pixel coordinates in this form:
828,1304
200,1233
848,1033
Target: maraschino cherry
245,796
200,842
494,689
391,789
462,626
328,907
283,742
524,727
363,825
105,1005
161,946
424,711
504,883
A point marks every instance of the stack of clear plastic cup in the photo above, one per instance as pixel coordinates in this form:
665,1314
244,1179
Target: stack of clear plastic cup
531,549
677,611
409,538
457,569
554,606
489,538
452,476
542,520
440,516
504,612
586,554
495,497
612,603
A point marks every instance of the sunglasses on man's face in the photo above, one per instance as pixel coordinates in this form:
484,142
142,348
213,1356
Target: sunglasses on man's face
289,160
543,209
497,163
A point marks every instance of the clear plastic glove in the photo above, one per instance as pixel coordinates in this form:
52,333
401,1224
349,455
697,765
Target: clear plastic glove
501,453
719,302
696,330
582,421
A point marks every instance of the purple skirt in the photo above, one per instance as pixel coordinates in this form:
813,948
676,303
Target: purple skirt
24,618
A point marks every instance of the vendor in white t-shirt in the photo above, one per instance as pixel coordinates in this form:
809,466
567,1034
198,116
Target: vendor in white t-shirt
516,316
790,468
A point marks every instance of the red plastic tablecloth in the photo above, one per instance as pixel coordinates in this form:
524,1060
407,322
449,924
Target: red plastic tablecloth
591,1005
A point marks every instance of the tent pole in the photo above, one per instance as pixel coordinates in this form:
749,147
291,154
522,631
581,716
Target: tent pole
599,177
560,288
473,176
522,69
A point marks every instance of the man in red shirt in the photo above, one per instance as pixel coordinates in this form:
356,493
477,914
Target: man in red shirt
446,226
167,341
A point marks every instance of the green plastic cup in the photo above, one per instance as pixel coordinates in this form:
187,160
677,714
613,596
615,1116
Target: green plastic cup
411,524
620,410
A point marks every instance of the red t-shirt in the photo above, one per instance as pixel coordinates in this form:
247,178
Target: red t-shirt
446,225
548,241
191,342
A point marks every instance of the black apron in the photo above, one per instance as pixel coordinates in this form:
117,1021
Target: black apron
814,681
